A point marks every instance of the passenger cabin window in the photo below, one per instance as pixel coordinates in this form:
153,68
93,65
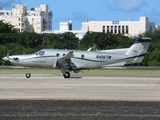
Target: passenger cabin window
82,56
57,55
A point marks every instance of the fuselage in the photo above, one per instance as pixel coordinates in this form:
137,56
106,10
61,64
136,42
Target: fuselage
82,59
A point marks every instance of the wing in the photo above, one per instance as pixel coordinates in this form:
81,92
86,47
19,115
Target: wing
64,63
67,57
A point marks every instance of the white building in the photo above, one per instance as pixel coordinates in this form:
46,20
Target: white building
34,20
66,27
78,33
130,28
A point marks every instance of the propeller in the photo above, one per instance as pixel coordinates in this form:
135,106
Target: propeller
7,58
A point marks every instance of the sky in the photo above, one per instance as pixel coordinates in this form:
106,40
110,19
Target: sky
95,10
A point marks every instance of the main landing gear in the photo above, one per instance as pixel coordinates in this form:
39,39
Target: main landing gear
66,75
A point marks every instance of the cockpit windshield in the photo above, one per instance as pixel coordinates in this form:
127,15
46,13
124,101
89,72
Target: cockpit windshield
39,52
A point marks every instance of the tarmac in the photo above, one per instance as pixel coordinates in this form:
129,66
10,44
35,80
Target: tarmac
80,88
79,97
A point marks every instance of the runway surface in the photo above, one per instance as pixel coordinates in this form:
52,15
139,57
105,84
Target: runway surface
79,98
80,88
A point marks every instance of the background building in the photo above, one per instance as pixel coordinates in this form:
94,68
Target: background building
34,20
130,28
66,27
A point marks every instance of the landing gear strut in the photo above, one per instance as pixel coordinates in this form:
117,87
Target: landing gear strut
66,75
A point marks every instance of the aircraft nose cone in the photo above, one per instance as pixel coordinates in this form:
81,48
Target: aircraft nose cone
5,58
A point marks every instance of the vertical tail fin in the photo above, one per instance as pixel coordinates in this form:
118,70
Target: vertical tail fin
138,49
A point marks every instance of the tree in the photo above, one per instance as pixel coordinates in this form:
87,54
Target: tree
87,41
7,28
67,40
105,41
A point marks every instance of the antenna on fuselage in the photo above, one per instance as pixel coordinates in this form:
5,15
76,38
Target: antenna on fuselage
89,49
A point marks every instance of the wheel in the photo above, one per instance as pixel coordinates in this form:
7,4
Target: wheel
28,75
66,75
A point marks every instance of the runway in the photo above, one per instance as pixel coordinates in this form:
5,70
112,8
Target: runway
79,97
54,87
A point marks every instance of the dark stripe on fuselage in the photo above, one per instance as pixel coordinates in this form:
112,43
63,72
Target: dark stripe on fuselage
142,55
88,59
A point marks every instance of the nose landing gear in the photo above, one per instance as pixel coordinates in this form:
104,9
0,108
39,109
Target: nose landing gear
28,75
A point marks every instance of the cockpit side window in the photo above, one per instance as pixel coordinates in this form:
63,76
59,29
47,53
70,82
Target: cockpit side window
41,53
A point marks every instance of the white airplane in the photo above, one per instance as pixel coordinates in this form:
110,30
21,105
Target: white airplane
76,60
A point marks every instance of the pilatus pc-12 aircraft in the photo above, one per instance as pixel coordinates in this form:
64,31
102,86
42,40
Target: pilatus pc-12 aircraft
76,60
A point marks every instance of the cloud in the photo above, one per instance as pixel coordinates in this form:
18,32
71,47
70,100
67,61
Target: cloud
81,17
8,3
78,16
129,5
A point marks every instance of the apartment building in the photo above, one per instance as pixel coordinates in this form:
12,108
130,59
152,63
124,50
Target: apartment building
129,28
35,20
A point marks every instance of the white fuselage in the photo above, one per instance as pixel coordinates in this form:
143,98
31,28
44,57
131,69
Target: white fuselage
82,59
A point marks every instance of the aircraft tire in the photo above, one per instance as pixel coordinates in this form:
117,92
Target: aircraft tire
28,75
66,75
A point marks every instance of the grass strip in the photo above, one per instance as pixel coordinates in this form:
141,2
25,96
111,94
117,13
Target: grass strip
85,72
